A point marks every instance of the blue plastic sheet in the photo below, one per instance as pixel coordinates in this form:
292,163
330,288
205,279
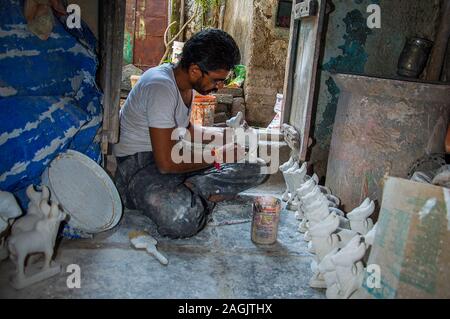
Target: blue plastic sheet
49,100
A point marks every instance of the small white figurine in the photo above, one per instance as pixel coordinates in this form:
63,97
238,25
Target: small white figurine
302,191
323,240
287,178
349,269
350,258
303,226
247,137
333,201
359,217
295,179
235,122
317,211
328,269
9,210
288,164
41,239
34,212
306,188
283,168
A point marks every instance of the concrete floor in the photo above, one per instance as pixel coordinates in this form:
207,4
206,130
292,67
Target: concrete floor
220,262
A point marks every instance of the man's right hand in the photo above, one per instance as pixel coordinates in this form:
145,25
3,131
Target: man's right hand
230,153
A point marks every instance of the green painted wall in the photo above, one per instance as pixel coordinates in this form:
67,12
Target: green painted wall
351,47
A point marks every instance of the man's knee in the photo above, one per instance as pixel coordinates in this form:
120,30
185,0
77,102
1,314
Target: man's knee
183,229
177,217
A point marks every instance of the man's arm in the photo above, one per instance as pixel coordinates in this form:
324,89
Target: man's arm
215,135
162,145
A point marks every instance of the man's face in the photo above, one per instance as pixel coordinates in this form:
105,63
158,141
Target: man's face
205,82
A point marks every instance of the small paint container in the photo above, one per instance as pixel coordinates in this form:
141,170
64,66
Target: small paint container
266,216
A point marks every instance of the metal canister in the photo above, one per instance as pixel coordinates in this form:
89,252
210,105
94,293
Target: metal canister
414,57
266,216
203,109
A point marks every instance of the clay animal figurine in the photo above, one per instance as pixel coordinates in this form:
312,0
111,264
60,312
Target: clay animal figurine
295,179
317,211
306,187
235,122
325,243
287,178
283,168
34,212
9,210
328,268
323,237
288,164
247,137
359,217
349,269
41,239
314,195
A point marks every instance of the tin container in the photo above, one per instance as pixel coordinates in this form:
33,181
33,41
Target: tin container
203,109
414,57
266,216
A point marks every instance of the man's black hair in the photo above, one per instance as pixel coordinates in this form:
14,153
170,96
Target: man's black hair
211,49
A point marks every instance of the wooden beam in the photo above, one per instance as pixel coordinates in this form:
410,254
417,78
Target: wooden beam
440,47
112,22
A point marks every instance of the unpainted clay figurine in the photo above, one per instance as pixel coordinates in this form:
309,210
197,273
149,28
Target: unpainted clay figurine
295,179
359,217
9,210
40,239
34,212
349,269
287,178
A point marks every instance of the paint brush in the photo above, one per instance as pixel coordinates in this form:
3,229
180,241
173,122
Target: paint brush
143,240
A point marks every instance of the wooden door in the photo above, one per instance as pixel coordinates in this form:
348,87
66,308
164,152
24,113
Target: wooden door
150,22
302,64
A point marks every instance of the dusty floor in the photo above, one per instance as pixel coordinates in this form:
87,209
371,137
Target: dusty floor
220,262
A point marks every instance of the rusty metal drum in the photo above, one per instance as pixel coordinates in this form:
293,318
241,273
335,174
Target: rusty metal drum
382,127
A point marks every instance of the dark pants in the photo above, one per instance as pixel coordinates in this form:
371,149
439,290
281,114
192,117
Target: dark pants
178,203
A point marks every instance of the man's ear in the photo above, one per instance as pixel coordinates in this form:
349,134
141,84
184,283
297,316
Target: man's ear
194,71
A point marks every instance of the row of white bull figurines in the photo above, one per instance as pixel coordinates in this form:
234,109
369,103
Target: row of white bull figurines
31,235
340,242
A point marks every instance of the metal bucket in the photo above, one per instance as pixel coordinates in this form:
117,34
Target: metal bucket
266,216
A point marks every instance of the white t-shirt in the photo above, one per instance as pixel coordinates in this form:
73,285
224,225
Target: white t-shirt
156,102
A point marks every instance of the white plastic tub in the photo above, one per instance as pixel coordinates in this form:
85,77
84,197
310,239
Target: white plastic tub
85,192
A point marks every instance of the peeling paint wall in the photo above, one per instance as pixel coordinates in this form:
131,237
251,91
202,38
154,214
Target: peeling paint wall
237,22
264,51
351,47
266,68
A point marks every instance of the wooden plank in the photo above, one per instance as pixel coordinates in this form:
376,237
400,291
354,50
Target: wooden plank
302,66
441,43
112,21
289,74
